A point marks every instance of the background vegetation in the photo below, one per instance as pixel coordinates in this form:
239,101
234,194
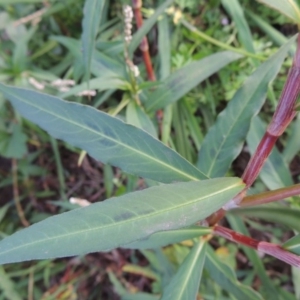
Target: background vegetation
38,174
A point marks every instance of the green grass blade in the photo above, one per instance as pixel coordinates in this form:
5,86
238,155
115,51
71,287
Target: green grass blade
292,146
185,283
235,10
285,7
185,79
225,139
276,36
92,13
119,221
280,215
7,286
105,138
164,238
224,276
275,173
293,244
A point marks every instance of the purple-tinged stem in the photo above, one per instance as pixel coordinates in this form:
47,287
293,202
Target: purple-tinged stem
271,196
264,247
144,46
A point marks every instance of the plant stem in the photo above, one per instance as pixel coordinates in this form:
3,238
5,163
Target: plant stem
284,114
218,43
271,196
268,248
144,46
16,193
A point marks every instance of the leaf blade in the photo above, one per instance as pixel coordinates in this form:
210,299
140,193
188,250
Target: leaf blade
91,19
185,283
101,226
105,138
183,80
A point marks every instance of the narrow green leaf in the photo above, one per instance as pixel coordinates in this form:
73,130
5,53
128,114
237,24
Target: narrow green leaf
164,238
92,13
224,276
164,46
185,283
138,36
235,10
185,79
276,36
280,215
285,7
137,117
275,173
7,287
292,146
268,287
119,221
293,244
225,139
13,144
105,138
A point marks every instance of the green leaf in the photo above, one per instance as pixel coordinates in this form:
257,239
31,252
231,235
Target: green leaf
92,13
138,36
224,276
275,173
119,221
137,117
292,146
7,287
285,7
225,139
235,10
164,238
293,244
276,36
281,215
13,145
185,79
185,283
105,138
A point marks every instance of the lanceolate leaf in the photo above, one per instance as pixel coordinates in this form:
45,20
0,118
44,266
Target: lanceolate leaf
225,139
275,172
92,13
235,10
119,221
164,238
183,80
224,276
185,283
104,137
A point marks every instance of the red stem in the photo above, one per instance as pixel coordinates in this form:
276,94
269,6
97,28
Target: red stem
284,114
268,248
144,46
271,196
